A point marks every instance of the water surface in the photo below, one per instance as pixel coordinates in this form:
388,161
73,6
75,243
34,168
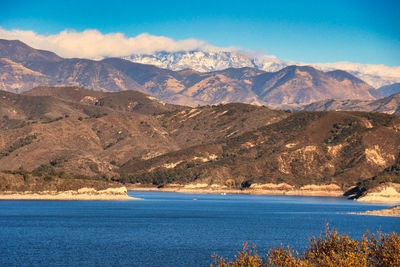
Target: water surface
169,229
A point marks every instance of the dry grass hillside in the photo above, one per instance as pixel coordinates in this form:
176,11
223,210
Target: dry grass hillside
37,182
92,133
305,148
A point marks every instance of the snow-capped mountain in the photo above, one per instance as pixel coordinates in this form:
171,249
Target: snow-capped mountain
206,61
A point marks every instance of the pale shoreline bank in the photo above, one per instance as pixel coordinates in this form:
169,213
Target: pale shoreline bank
269,189
390,212
120,193
386,193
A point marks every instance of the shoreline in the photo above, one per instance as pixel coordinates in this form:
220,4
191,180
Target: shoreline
60,197
388,193
389,212
120,193
218,191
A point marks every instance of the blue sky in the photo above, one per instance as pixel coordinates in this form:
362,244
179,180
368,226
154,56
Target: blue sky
360,31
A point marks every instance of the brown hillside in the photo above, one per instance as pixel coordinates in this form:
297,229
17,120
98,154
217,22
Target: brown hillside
19,52
17,110
125,101
389,104
91,133
301,85
306,148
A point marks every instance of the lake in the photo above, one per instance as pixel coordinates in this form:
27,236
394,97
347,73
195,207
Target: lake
169,229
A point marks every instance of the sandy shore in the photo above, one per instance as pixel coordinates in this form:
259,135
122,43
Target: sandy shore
81,194
256,189
391,212
387,193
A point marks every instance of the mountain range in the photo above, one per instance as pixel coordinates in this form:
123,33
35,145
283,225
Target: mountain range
207,61
23,67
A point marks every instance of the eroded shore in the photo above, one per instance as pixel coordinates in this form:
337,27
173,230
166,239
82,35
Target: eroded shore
120,193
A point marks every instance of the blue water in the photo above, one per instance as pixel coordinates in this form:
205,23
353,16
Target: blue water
169,229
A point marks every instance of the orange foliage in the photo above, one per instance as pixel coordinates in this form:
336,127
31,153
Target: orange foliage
329,249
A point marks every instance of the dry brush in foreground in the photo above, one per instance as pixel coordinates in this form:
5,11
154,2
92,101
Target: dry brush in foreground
329,249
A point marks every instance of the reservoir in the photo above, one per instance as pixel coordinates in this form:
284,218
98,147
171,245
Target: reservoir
170,229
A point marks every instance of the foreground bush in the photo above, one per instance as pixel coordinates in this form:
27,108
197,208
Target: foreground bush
329,249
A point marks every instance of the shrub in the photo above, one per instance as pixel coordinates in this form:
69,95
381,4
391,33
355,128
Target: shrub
48,178
44,168
230,183
18,144
329,249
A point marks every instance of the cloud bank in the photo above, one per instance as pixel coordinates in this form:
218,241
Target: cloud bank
94,44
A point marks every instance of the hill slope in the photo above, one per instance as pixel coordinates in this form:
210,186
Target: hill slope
305,148
88,132
300,85
390,105
392,89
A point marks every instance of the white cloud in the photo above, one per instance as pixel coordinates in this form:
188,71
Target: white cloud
94,44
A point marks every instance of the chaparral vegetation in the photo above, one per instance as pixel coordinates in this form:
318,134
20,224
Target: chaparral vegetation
329,249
